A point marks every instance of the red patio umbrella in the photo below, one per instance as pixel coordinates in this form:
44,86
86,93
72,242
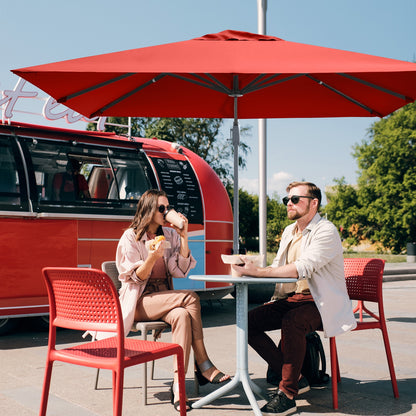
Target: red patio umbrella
229,74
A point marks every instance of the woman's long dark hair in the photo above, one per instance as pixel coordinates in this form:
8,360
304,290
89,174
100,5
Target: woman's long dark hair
146,208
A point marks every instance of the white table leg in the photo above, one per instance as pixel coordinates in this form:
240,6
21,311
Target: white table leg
217,393
241,375
250,396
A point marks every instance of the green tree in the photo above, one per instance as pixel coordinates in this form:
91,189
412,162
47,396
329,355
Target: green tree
343,210
249,220
248,211
276,222
382,207
387,183
201,135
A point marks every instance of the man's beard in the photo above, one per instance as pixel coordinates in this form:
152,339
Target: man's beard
295,215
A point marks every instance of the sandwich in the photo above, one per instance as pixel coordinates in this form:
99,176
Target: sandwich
154,244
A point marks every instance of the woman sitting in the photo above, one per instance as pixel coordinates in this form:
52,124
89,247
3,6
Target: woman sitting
146,268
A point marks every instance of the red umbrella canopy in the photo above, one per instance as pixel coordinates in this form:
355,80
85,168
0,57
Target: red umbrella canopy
201,77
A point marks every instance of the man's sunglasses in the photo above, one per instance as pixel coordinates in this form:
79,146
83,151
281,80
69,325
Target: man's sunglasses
162,208
295,199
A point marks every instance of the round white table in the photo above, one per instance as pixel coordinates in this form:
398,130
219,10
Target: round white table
241,373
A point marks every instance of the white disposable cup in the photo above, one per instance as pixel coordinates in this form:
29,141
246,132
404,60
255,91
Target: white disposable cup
174,218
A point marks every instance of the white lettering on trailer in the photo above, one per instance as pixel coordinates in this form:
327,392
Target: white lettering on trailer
51,109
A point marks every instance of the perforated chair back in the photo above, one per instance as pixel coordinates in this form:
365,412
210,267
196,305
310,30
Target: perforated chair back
364,278
83,299
110,268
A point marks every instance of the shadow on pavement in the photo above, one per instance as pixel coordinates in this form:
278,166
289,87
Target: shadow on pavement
356,398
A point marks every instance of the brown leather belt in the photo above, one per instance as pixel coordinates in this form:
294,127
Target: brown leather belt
156,285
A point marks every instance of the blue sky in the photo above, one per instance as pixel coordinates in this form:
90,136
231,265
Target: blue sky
318,150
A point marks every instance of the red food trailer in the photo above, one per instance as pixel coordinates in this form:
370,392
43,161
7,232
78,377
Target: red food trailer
39,227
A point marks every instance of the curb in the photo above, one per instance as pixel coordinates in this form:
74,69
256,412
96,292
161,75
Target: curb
394,272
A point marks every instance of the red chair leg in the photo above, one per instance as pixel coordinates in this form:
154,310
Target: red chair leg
181,382
118,384
389,360
46,387
335,376
338,372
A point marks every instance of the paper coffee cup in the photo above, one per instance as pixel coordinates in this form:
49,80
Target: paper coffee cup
174,218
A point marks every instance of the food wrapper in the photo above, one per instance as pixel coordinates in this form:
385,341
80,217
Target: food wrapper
236,258
149,243
231,259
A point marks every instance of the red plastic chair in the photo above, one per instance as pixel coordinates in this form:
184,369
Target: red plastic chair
364,278
86,299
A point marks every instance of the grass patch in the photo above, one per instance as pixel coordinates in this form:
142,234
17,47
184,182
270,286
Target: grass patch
389,258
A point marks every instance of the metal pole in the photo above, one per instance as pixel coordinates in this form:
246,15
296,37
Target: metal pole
236,144
261,16
262,126
129,128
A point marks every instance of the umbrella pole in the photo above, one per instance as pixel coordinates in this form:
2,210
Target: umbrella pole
236,143
263,191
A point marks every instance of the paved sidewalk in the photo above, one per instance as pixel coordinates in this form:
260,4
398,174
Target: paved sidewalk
365,387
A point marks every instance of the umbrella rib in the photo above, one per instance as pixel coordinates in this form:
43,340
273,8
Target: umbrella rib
86,90
221,85
256,80
266,83
203,82
125,96
377,87
347,97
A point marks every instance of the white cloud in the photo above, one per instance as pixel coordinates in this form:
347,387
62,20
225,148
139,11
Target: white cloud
249,185
275,184
278,183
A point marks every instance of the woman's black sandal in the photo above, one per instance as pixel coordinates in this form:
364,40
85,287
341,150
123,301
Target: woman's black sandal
202,380
174,388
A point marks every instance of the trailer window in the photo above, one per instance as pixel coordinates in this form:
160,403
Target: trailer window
86,178
11,191
133,173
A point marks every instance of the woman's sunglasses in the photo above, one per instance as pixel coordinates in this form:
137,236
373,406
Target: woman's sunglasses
295,199
162,208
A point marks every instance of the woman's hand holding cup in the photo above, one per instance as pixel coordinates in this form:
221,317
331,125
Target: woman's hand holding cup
178,221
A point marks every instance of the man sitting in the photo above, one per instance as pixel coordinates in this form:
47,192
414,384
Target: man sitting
311,251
